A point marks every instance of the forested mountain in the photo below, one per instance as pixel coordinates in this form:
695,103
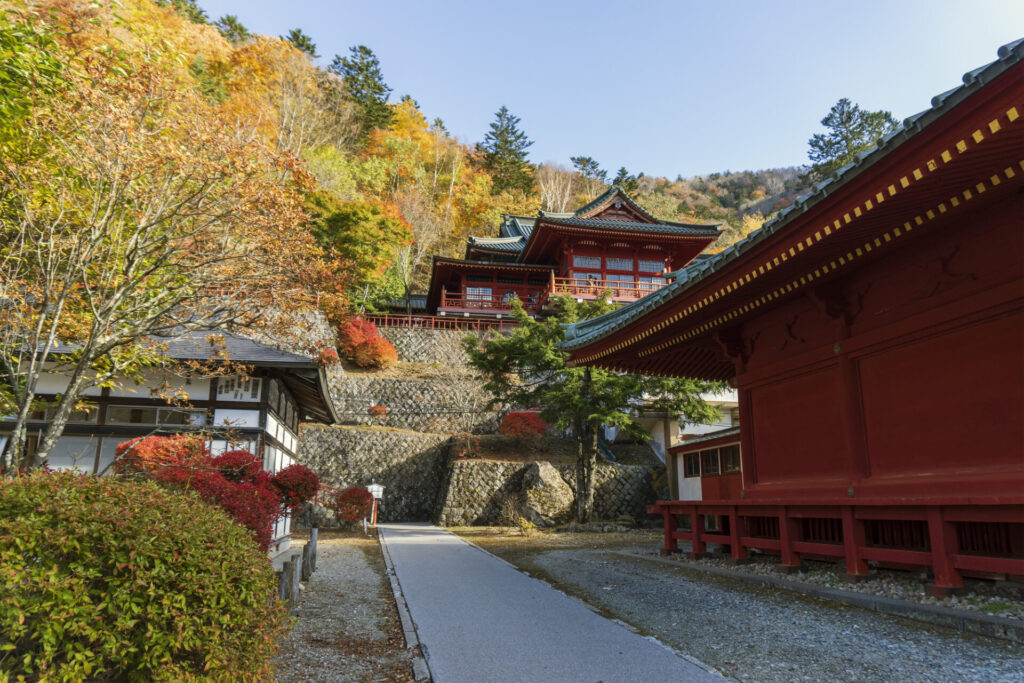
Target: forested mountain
382,185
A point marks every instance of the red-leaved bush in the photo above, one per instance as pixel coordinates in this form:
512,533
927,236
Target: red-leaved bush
354,332
353,504
234,481
375,353
296,484
523,423
329,357
150,453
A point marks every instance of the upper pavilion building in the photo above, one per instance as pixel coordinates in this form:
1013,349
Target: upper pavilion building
610,245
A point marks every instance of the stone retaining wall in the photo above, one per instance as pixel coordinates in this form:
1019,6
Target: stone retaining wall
445,404
410,465
476,490
428,346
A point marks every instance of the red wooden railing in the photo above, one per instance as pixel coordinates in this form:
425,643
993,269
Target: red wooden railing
951,539
498,303
325,494
434,322
582,287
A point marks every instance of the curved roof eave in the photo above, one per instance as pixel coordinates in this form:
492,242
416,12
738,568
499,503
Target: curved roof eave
578,335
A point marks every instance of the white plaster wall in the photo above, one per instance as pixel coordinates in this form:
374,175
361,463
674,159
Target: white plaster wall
74,453
689,487
55,383
195,388
231,417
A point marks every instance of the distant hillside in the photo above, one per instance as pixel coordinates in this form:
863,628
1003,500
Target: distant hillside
742,199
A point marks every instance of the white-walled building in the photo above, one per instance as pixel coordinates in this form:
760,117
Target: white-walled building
259,412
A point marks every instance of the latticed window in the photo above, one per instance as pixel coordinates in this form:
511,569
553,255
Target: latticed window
620,263
691,465
730,456
579,261
478,293
709,461
652,266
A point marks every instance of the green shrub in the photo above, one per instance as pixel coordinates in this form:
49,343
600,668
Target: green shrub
106,579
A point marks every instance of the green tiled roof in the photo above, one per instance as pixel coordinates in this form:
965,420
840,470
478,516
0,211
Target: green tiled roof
662,227
507,244
583,333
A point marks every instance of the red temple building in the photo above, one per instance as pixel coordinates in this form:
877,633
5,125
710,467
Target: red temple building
609,245
875,335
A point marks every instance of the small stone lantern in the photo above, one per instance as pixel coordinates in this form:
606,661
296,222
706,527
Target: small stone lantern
377,491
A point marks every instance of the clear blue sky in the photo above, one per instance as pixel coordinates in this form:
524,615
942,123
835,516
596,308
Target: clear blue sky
657,86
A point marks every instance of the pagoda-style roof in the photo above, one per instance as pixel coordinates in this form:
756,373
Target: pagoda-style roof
936,162
507,247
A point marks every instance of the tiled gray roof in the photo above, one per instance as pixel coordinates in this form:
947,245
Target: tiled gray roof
507,244
196,346
582,333
662,227
517,226
710,436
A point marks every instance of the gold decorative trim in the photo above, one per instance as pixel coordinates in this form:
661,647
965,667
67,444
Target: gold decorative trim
978,137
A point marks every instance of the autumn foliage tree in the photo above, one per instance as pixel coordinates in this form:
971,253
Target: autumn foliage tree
132,211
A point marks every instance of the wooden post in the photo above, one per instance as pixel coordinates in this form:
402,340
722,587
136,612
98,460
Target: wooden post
854,538
788,532
737,530
671,542
944,545
700,548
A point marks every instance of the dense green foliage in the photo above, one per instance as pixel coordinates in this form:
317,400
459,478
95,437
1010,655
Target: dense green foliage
365,83
527,368
504,154
850,131
301,42
106,579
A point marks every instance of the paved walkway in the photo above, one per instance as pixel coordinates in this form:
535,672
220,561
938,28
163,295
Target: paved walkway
481,620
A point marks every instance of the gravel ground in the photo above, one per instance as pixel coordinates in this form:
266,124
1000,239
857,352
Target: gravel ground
982,596
347,628
759,634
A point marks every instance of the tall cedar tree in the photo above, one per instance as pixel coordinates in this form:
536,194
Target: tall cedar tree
851,130
302,42
232,29
504,149
366,86
189,9
527,368
627,181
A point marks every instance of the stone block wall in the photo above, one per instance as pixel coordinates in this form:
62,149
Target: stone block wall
410,465
448,403
443,347
476,490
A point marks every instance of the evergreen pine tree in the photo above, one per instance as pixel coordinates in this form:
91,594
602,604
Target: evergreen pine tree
186,8
851,130
232,29
301,42
504,149
627,181
365,83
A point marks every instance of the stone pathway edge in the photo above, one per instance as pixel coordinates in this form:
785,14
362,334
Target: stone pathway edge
420,666
958,620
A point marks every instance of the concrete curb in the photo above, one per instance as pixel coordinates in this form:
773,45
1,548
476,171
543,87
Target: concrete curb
420,668
958,620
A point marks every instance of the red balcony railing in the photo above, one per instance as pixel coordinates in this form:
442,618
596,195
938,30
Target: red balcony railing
476,302
584,288
434,322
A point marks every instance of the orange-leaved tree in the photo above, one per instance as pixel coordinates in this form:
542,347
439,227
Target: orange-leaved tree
131,211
